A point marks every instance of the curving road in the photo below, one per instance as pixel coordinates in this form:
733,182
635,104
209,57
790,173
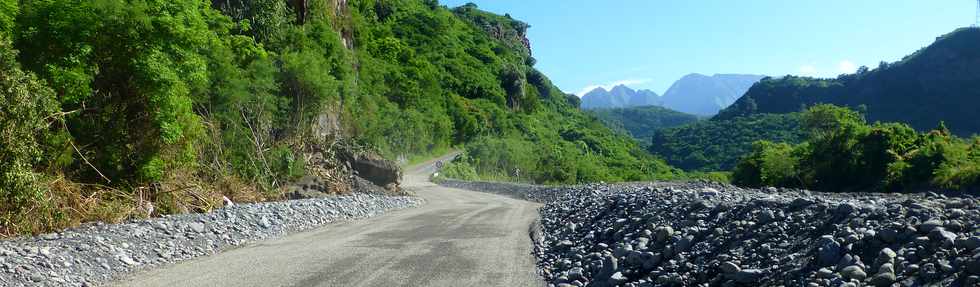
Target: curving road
458,238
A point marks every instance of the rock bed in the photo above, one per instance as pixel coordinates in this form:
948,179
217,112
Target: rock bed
702,234
714,235
96,253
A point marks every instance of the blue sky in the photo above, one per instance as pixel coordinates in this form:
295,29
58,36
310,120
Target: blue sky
649,44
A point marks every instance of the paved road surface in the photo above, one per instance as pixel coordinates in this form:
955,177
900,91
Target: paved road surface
458,238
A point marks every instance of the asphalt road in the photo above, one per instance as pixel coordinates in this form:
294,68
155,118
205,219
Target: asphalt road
458,238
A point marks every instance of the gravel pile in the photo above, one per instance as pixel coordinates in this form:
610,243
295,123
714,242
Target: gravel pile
702,234
97,253
514,190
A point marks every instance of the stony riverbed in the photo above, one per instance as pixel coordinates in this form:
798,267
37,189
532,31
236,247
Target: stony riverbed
702,234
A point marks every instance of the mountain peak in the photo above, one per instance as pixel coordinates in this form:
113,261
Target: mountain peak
695,75
620,96
621,89
597,90
705,95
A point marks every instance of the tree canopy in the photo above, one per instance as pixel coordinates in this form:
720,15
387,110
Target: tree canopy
844,153
178,103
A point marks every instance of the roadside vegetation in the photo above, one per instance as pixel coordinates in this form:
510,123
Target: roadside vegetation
843,153
118,109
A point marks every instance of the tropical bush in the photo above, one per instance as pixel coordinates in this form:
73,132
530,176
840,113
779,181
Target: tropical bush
844,153
116,109
25,115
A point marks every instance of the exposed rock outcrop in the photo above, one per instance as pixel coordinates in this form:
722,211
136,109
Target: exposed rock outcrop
374,168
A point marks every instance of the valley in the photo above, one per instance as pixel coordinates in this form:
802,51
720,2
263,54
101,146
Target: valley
694,94
433,143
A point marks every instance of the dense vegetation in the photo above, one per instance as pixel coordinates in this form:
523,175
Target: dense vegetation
125,108
642,122
938,83
844,153
717,145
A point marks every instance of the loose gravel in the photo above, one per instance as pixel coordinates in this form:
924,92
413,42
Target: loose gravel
703,234
97,253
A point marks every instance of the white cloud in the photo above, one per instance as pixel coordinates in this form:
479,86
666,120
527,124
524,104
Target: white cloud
610,85
847,67
808,70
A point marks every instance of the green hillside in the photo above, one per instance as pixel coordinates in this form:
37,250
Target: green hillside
642,122
717,145
938,83
843,153
115,106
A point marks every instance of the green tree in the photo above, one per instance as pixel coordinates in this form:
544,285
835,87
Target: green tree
139,64
769,164
844,154
26,116
8,13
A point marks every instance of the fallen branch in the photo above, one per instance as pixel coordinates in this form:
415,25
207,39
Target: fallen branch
72,142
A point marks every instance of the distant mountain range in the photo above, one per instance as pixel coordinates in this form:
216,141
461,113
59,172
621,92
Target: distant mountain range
693,94
704,96
938,83
619,97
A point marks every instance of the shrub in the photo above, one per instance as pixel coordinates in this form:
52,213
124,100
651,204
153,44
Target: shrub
769,164
459,169
26,114
843,153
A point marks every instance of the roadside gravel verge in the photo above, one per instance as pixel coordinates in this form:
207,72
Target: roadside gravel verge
96,253
702,234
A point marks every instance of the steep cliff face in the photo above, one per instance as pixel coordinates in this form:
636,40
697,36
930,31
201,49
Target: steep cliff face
342,14
503,28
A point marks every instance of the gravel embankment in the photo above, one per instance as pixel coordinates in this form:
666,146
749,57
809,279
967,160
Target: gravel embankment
527,192
96,253
699,234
